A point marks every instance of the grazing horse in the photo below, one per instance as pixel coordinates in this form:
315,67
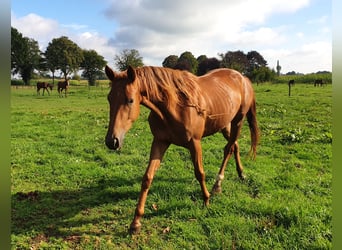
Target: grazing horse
63,85
44,86
291,82
318,82
184,108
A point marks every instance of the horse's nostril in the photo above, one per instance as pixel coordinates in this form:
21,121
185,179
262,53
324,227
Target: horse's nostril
116,143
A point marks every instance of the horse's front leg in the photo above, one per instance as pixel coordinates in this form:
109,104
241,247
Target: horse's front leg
196,156
158,149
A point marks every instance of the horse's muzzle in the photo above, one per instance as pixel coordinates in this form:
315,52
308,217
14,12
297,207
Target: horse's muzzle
113,143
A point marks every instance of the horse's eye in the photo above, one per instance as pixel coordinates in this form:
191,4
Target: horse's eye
129,101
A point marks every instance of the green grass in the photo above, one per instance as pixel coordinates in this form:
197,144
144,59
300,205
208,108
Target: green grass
70,192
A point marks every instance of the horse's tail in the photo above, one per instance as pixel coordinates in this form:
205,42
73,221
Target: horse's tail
253,127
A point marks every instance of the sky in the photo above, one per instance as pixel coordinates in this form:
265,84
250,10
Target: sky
297,33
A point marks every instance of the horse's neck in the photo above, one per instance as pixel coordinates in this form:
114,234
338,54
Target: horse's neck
147,103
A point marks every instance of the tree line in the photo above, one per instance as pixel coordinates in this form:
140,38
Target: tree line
61,54
251,64
65,56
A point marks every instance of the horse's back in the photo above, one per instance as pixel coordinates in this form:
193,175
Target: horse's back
226,85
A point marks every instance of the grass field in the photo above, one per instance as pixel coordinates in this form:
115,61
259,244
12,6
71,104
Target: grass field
70,192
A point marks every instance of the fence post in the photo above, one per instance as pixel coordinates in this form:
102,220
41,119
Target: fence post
289,89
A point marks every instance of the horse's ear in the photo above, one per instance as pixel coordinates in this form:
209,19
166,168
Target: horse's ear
110,73
131,73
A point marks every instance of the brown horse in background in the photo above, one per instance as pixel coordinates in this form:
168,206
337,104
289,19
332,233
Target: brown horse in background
319,82
63,85
184,108
44,86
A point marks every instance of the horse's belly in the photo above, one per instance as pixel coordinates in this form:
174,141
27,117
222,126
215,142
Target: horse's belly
211,128
215,123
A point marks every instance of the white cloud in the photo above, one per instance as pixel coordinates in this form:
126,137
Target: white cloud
44,30
308,58
37,27
160,28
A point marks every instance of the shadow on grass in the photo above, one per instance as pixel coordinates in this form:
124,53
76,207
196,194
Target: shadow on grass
64,213
53,212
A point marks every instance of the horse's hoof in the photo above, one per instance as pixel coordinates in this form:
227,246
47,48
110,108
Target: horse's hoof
242,177
134,229
206,202
216,190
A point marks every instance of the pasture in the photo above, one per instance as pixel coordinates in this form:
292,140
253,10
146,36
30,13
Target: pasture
70,192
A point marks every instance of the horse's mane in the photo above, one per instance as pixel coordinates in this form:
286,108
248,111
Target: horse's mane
169,86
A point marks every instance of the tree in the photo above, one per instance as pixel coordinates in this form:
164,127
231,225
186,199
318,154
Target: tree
187,61
128,58
25,55
262,74
63,54
92,65
207,64
255,60
235,60
52,54
170,61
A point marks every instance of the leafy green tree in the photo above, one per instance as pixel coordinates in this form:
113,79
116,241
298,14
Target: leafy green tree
170,61
187,61
235,60
255,59
51,54
207,64
25,55
255,62
92,65
128,58
17,45
262,74
63,54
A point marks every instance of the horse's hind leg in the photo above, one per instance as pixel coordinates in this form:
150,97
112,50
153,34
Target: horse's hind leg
231,147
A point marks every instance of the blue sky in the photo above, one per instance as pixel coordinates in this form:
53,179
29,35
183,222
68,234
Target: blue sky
297,33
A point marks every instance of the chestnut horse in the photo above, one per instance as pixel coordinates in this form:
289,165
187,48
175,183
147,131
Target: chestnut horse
184,108
44,86
63,85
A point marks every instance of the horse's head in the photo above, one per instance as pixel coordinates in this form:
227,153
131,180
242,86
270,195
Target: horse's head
124,103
